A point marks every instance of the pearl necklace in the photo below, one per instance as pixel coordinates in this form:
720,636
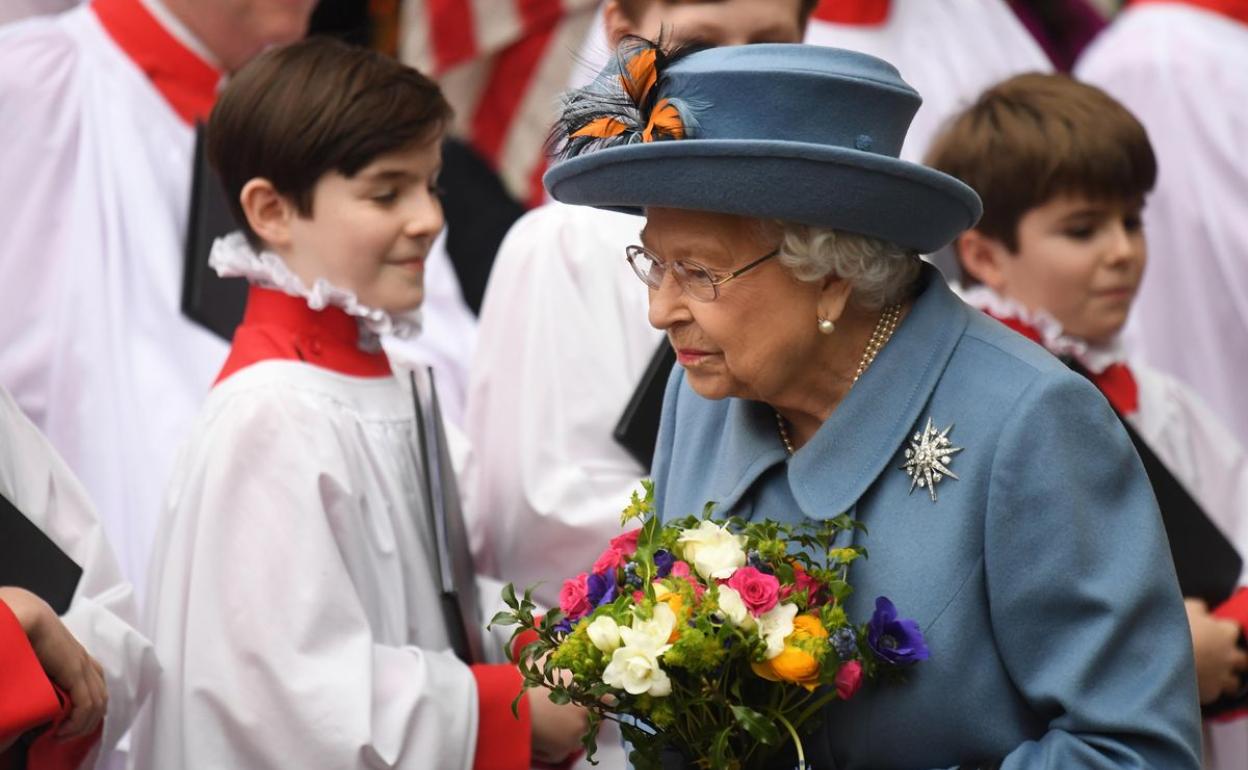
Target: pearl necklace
883,331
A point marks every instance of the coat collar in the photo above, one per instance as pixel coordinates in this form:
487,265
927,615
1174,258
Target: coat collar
855,444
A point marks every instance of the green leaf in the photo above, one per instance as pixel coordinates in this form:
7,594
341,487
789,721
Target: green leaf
757,725
509,597
502,618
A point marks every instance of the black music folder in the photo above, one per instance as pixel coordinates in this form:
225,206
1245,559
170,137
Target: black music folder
638,427
30,560
213,302
452,554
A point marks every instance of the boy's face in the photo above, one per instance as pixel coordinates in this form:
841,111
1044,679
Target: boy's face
726,22
370,233
1078,260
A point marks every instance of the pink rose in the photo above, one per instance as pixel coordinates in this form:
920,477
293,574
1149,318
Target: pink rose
574,597
680,569
758,590
848,679
638,597
626,543
610,560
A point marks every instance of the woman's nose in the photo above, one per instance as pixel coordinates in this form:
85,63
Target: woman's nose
668,303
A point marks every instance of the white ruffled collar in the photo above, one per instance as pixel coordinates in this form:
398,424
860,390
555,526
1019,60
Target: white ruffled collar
1094,358
233,257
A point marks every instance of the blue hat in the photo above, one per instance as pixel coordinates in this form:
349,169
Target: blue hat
798,133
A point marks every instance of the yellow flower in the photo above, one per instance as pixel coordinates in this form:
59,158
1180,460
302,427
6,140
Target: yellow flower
671,599
795,664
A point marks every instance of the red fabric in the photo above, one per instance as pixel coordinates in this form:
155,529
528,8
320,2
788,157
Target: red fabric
503,741
1236,609
279,326
453,33
862,12
28,700
1116,382
186,81
1232,9
505,91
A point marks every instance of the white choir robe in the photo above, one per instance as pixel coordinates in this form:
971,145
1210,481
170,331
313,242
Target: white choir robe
293,601
93,202
1183,72
102,614
1202,453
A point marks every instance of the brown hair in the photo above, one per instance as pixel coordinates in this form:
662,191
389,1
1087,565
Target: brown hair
633,8
1034,137
296,113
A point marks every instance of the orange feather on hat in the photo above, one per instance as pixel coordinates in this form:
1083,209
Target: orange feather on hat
640,74
664,122
601,128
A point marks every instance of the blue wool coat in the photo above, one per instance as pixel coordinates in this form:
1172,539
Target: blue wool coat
1040,577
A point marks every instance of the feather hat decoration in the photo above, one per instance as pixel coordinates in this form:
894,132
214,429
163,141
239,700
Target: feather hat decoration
625,103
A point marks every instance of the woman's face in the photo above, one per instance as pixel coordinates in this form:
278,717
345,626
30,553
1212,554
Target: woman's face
756,337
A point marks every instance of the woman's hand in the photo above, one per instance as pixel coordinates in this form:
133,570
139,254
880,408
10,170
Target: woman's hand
1219,659
64,660
557,730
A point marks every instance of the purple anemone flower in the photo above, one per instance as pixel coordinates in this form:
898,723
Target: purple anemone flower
895,640
663,559
600,589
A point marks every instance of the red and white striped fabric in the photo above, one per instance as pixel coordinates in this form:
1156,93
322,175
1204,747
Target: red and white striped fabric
502,65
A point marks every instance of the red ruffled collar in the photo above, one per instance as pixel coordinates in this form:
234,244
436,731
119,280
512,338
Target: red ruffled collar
1232,9
277,326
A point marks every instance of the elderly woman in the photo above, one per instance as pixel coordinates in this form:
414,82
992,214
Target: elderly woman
824,368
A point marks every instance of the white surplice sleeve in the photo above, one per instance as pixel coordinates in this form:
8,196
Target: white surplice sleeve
562,343
102,616
278,654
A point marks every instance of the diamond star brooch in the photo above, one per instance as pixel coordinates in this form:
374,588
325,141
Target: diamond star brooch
928,458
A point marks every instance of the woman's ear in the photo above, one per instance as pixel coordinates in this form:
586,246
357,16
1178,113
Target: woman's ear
982,257
268,212
833,297
616,23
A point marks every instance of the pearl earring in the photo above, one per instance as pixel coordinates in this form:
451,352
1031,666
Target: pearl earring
826,326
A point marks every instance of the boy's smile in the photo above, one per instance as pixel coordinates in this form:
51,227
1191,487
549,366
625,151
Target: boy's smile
370,233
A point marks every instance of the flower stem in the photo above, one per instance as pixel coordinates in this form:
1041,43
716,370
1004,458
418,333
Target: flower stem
801,755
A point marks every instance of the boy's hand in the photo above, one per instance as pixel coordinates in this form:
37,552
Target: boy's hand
557,730
64,660
1219,659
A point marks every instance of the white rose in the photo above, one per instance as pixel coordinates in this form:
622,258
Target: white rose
775,625
637,671
734,609
714,552
651,634
604,632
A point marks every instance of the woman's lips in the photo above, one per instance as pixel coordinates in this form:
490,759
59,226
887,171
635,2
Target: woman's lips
414,265
689,356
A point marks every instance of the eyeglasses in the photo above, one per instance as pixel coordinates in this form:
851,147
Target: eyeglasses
698,282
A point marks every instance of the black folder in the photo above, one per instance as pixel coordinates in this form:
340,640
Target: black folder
213,302
30,560
638,427
452,555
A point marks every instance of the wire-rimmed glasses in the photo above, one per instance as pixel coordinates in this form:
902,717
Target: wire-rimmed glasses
698,282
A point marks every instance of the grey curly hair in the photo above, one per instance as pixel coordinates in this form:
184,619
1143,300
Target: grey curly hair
879,271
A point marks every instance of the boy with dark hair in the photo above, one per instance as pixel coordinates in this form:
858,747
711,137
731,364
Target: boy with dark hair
1063,171
294,601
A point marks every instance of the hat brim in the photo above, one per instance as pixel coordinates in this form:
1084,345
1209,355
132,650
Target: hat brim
877,195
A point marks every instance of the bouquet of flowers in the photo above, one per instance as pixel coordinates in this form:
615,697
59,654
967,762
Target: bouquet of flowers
716,640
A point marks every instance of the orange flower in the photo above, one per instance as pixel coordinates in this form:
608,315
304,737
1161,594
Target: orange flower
795,664
672,599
